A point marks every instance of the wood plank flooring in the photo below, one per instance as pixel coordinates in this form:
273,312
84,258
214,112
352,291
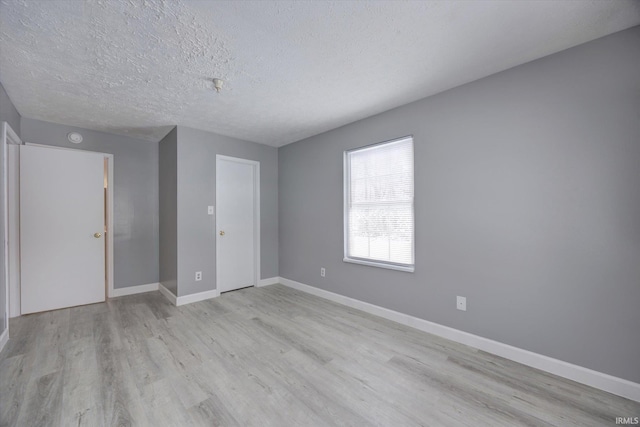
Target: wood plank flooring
269,356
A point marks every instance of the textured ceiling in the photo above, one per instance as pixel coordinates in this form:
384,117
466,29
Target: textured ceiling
291,69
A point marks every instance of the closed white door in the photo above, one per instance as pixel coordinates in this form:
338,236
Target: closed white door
62,251
237,198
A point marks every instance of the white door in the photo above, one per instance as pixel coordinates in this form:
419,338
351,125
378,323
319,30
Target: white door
237,198
62,252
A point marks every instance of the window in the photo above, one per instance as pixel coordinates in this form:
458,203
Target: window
378,205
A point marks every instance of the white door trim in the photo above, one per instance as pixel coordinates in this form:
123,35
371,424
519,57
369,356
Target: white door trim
256,216
8,137
110,293
109,210
13,212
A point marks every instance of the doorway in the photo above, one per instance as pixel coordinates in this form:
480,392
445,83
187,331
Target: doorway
237,223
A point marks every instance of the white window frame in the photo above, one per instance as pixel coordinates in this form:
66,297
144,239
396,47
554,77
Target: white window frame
346,180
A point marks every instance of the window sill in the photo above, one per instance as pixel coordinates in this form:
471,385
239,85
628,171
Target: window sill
408,269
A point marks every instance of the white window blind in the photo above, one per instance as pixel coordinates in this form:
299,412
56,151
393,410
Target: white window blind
379,223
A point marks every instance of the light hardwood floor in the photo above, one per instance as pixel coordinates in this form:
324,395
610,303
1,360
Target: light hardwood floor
268,356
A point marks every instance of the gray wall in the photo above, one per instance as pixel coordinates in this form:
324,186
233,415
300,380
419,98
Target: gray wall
9,114
168,210
526,201
197,189
135,192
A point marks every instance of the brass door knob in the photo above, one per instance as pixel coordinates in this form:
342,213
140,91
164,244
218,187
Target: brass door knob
222,233
97,235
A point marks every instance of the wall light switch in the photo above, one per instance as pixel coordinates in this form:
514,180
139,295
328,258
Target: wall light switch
210,210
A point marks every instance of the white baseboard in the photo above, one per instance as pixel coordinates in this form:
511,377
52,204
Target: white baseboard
167,293
187,299
609,383
200,296
269,281
4,339
120,292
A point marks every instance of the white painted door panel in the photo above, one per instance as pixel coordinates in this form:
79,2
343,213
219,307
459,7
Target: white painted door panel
235,198
61,207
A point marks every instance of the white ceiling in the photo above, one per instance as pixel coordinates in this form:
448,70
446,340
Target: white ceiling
291,69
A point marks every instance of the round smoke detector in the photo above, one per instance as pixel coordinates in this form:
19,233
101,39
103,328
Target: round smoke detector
75,137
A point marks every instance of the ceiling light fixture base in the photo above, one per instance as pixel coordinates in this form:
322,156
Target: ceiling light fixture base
217,84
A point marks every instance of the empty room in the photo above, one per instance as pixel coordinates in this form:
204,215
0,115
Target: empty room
319,213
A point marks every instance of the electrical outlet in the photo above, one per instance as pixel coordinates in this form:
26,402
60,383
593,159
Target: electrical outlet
461,303
322,272
209,210
198,276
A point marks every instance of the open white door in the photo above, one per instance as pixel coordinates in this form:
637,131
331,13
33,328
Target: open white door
238,237
61,228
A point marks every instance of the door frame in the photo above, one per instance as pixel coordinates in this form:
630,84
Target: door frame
13,225
8,137
256,216
109,290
